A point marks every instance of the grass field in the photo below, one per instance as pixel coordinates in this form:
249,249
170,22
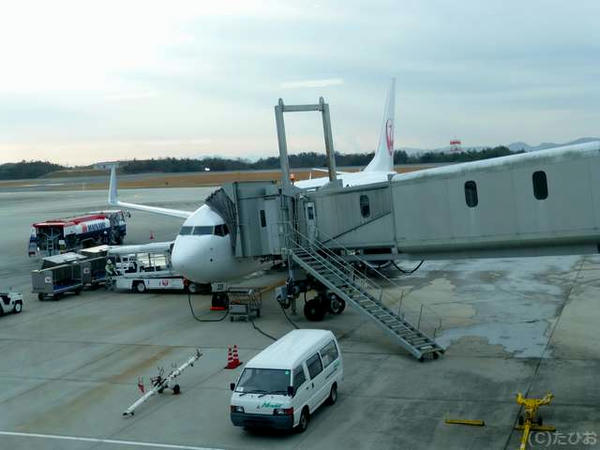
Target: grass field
151,180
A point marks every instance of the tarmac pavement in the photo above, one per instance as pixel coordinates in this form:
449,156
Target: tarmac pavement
69,368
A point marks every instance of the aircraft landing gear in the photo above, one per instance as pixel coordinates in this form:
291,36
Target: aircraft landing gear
316,308
335,305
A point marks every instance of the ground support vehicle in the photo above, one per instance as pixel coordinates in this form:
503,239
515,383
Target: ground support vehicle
10,302
285,383
244,303
56,281
57,236
146,267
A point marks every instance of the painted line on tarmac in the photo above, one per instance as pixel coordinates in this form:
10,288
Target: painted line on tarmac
103,441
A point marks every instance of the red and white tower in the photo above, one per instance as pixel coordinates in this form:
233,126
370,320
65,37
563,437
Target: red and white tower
455,145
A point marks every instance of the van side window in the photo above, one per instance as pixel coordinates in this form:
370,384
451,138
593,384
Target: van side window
299,377
329,353
314,365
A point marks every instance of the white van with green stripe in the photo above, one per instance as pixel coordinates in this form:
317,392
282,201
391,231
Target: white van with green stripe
286,382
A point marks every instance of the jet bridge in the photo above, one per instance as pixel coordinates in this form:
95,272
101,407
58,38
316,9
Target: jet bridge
545,203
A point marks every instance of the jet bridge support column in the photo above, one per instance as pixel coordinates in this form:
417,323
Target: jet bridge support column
323,107
288,192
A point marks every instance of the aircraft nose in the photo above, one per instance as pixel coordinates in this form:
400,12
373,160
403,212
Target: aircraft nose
185,257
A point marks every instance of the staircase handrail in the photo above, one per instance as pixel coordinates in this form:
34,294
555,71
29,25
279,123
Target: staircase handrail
340,262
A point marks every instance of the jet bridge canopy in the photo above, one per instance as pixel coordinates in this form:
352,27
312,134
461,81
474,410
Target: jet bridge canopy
251,211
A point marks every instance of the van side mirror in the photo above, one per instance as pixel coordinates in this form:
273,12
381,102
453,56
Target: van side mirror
291,391
232,386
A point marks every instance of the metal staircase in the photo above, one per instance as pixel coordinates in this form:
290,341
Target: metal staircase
356,289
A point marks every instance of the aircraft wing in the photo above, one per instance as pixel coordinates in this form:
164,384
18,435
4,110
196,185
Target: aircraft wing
114,201
339,172
154,247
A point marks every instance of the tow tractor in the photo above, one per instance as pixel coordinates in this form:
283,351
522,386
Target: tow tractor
10,302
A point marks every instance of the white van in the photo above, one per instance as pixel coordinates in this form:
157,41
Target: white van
286,382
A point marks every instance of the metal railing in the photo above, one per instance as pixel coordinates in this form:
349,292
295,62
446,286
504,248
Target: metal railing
421,316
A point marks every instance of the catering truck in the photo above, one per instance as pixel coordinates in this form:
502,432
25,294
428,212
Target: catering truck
140,268
52,237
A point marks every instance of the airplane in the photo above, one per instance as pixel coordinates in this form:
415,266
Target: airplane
202,251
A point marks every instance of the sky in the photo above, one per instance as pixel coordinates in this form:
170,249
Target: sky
85,81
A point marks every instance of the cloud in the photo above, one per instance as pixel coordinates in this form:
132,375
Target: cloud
311,83
130,96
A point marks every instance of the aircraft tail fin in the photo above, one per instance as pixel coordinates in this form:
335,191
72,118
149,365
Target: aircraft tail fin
383,161
113,198
112,189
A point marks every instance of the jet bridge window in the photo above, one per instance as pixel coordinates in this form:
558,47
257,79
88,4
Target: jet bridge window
185,231
263,219
471,194
365,208
200,231
540,185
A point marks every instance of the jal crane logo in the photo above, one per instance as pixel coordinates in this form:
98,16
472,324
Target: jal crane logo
389,135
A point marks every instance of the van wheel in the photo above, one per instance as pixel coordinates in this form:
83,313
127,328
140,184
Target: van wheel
140,287
303,422
192,288
18,307
41,297
332,394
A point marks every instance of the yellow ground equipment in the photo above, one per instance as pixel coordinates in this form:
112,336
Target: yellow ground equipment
531,421
470,422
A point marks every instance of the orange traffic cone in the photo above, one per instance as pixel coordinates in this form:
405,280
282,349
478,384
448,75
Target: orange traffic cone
229,358
233,360
236,358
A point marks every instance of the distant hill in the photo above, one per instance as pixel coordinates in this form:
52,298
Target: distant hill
37,169
516,146
27,169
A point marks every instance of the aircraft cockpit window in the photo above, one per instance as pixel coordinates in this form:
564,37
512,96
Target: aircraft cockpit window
185,231
221,230
200,231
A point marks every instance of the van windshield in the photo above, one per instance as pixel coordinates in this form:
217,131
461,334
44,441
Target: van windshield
264,381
